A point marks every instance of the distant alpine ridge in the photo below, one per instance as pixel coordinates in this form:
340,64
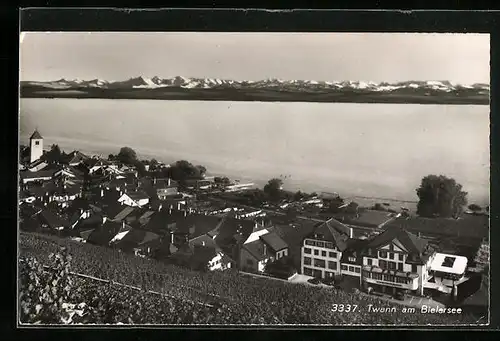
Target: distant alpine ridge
269,89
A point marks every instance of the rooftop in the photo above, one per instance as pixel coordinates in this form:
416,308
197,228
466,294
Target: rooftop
452,264
36,135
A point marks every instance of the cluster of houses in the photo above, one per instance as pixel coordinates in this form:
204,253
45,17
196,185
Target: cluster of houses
105,203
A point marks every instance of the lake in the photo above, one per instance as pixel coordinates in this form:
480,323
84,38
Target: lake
380,150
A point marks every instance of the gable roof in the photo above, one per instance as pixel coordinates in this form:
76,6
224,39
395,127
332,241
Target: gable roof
274,241
52,219
124,213
36,135
136,237
137,195
411,242
36,175
334,231
103,234
256,249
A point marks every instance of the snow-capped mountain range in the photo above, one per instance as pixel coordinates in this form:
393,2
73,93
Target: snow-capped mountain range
271,84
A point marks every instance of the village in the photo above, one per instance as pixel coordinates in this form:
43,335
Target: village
154,210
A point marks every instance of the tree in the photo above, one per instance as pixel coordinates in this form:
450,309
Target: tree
440,196
475,208
333,205
111,157
201,171
352,208
273,189
298,196
54,155
127,156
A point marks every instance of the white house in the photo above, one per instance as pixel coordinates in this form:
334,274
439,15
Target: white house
134,199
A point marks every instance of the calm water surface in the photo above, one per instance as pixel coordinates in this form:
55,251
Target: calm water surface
380,150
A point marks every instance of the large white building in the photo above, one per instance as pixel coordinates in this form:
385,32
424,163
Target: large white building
395,260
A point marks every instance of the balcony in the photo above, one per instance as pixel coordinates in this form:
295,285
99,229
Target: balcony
376,275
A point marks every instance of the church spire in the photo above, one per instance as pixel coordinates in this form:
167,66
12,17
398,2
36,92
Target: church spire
36,135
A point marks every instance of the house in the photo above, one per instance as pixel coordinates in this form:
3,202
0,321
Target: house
165,188
40,176
51,220
136,240
134,199
206,250
263,245
37,165
75,158
322,249
396,260
351,261
106,232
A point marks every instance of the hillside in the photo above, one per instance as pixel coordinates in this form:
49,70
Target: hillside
207,298
181,88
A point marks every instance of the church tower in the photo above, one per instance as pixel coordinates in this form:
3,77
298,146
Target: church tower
36,146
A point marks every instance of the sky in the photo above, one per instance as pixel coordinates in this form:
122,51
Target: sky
390,57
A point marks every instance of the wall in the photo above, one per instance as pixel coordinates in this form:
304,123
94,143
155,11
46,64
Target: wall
244,265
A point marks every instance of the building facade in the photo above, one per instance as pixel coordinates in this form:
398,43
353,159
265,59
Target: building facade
36,146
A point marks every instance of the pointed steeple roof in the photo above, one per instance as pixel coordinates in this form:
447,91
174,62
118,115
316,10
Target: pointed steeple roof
36,135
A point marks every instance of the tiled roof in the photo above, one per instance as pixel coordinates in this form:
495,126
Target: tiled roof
127,210
35,175
256,249
410,241
36,135
104,234
137,195
136,237
274,241
354,248
52,219
334,231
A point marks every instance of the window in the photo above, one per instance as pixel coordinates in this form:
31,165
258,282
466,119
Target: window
332,265
309,242
320,263
344,267
370,261
391,255
37,143
307,250
351,268
352,259
316,252
383,264
307,260
320,244
401,257
332,254
392,265
323,253
413,268
329,274
357,270
382,254
400,266
329,245
308,271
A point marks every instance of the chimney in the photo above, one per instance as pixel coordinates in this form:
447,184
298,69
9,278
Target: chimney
203,243
171,237
123,224
160,207
104,218
178,206
168,182
102,192
170,210
185,213
154,181
265,249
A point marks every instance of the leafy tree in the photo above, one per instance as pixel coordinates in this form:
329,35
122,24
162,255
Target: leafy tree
282,267
111,157
333,205
54,155
273,189
224,181
352,208
440,196
298,196
127,156
201,170
475,208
